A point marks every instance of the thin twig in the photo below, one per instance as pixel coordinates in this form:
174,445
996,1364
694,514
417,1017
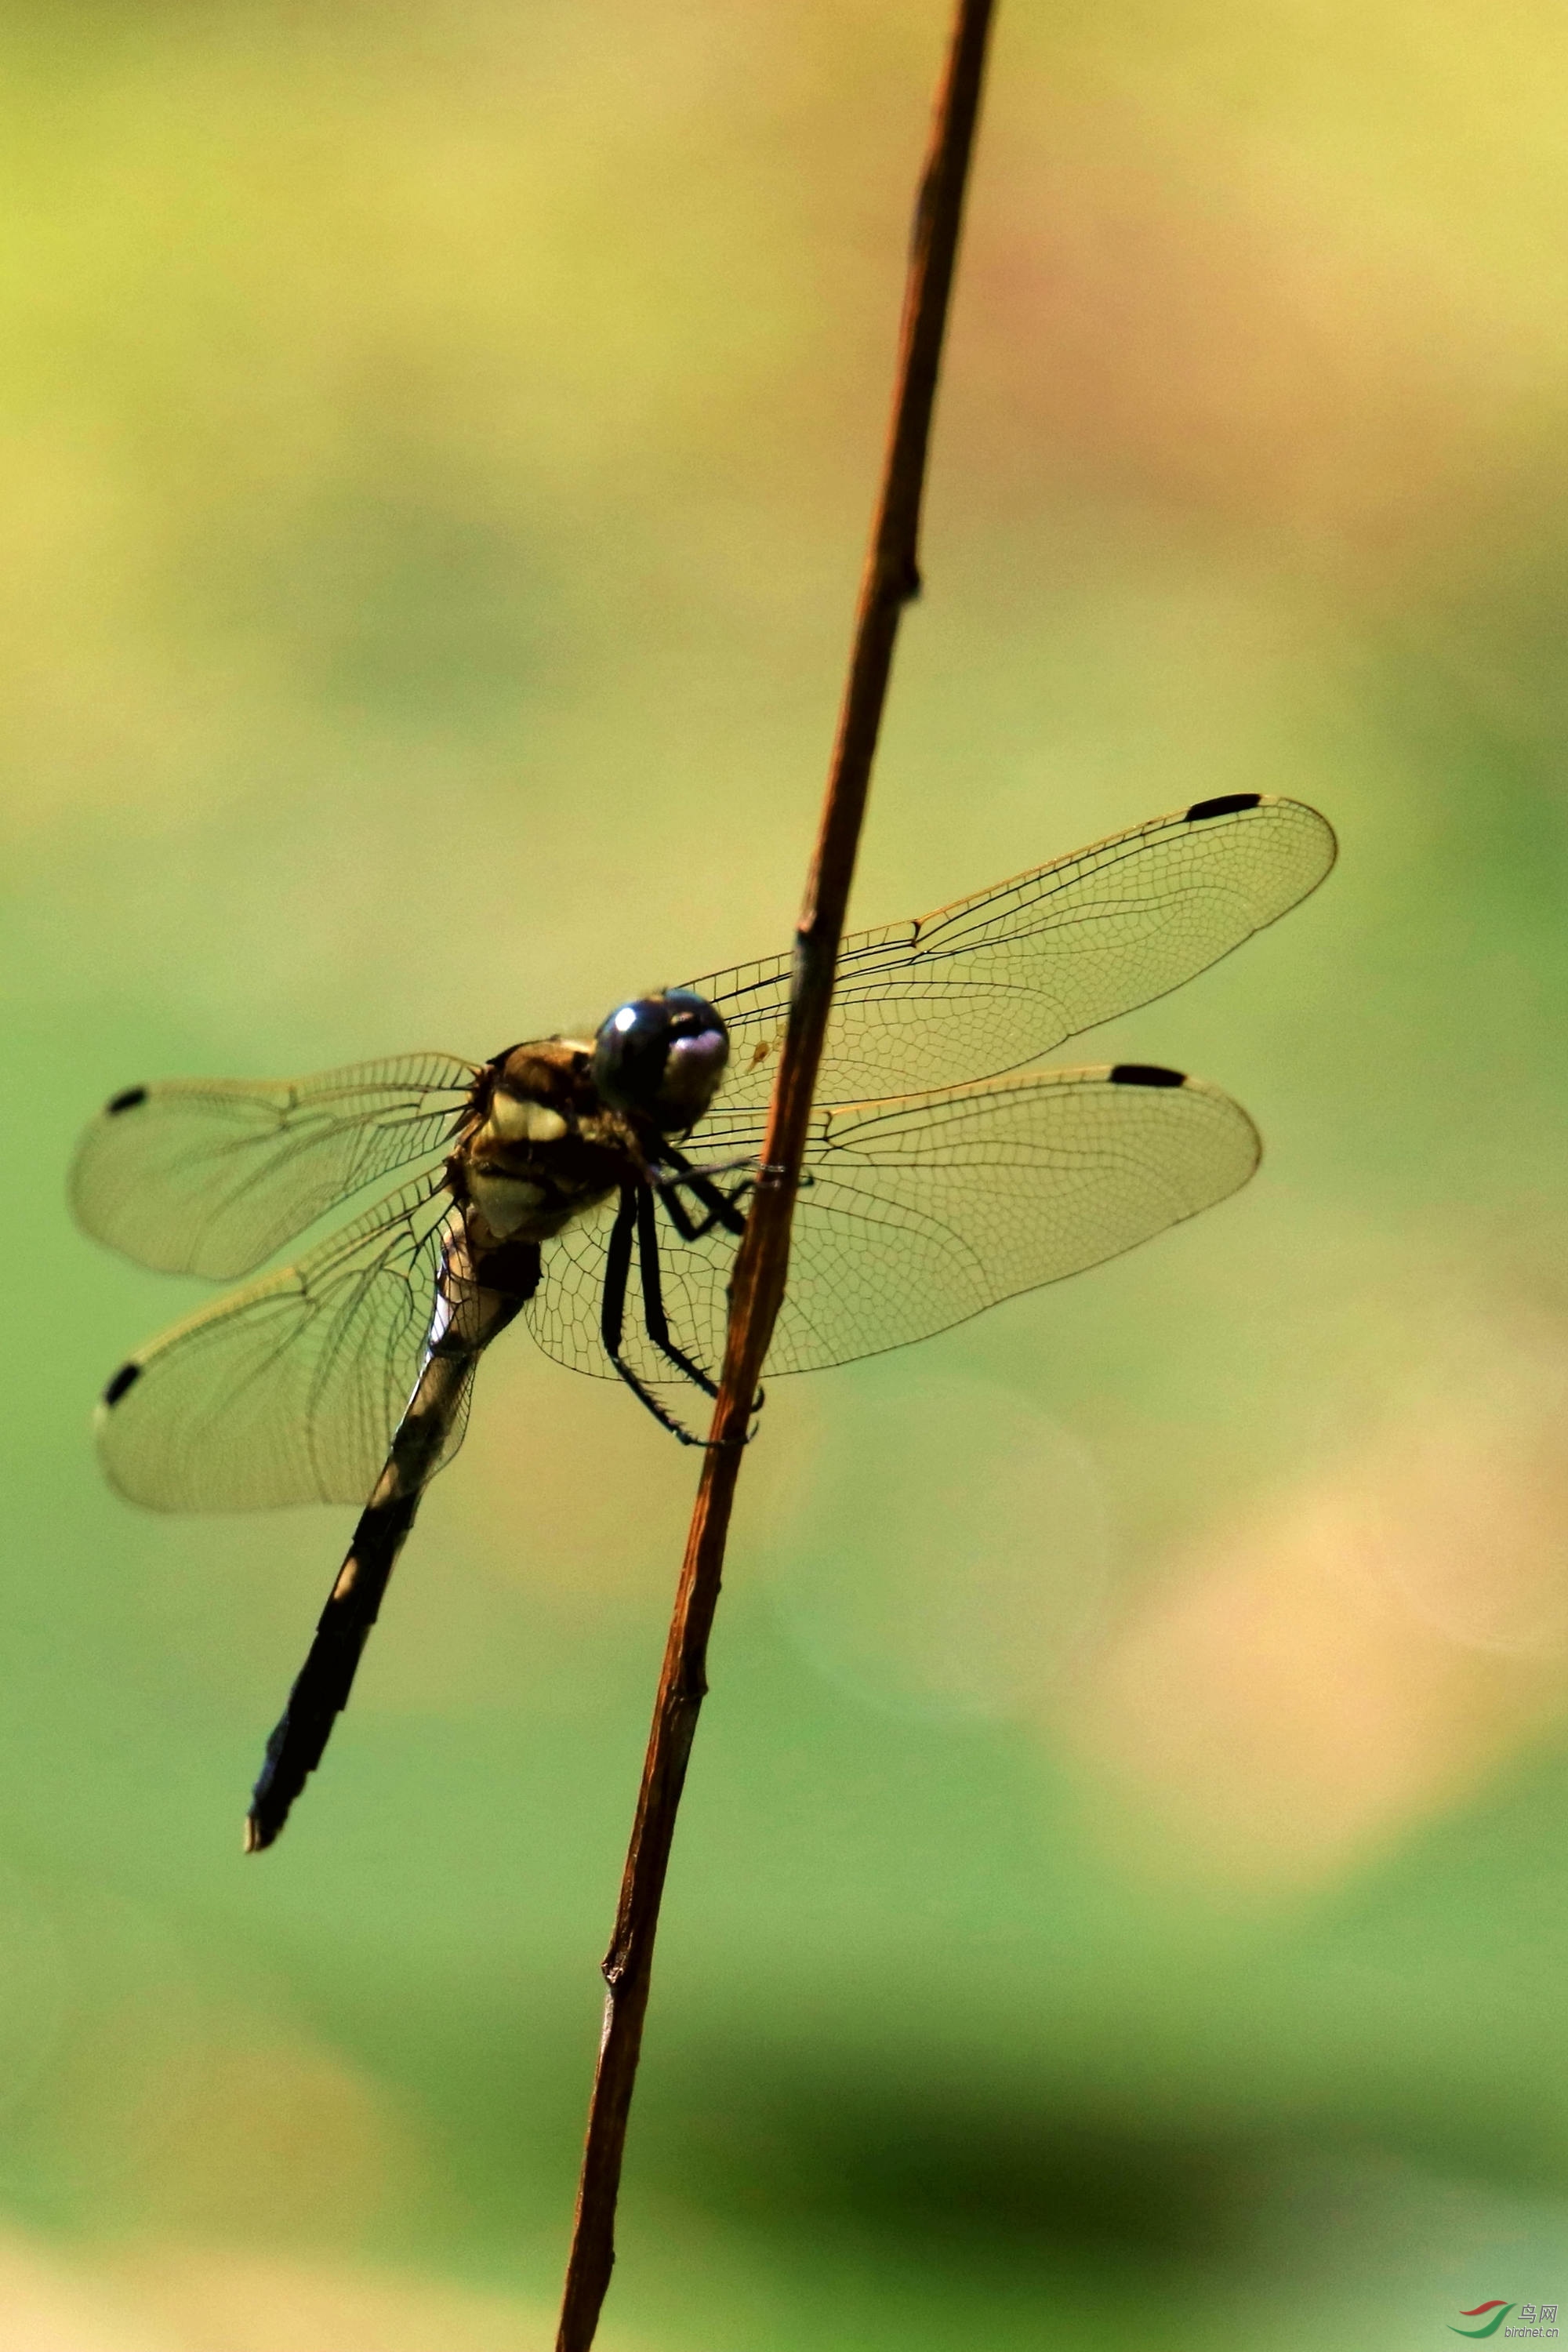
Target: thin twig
891,578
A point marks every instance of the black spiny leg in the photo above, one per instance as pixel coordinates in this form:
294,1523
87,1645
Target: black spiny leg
612,1312
724,1208
654,1316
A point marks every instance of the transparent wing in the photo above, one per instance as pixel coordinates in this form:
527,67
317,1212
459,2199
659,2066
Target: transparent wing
995,981
289,1390
923,1211
211,1176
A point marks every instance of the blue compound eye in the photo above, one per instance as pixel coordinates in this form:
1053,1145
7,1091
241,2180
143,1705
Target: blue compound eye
661,1057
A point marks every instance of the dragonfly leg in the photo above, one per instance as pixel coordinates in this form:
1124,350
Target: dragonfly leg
612,1310
654,1316
724,1208
653,1292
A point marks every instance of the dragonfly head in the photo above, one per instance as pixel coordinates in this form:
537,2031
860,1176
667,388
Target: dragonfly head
661,1057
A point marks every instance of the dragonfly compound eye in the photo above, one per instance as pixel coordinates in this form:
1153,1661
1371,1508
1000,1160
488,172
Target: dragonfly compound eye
662,1056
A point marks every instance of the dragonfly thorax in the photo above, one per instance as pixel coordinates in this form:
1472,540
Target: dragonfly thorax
539,1146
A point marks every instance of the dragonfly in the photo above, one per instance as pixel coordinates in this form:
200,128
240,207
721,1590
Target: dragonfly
596,1188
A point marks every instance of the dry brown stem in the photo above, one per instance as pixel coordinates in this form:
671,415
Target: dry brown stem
891,578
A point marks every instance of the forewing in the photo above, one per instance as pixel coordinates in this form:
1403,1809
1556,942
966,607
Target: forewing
922,1212
212,1176
995,981
288,1390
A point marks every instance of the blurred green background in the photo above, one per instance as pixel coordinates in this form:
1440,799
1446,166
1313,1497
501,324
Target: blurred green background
1122,1893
